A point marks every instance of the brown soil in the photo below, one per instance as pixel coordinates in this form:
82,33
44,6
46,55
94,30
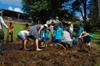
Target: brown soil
12,56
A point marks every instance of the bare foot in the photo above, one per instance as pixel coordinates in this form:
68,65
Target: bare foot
38,49
26,49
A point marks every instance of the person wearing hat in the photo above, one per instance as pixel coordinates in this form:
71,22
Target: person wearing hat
86,38
34,33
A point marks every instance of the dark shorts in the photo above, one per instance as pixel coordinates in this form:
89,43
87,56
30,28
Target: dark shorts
1,34
57,41
44,39
31,37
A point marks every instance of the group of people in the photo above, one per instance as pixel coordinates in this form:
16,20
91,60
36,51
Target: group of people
47,35
54,34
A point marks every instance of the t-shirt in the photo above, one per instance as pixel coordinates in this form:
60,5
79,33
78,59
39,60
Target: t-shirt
87,38
66,36
81,29
71,28
2,23
58,33
10,28
23,34
44,34
34,30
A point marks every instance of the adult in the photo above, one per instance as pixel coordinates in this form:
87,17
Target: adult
2,23
34,33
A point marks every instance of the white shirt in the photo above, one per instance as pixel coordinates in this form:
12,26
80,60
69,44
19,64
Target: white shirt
23,34
66,36
2,23
71,28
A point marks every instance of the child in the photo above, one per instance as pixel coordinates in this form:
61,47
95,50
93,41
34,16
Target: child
26,27
80,30
44,37
50,33
22,35
70,26
74,40
10,32
58,33
86,38
66,39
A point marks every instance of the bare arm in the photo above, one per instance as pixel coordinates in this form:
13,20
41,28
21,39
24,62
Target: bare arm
3,23
81,36
40,29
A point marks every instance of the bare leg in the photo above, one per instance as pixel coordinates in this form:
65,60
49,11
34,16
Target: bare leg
12,37
37,45
42,44
46,43
61,46
25,44
8,37
1,47
89,46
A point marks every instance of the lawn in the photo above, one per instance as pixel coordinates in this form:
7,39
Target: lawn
17,28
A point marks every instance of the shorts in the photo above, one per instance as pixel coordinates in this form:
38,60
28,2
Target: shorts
57,41
21,37
67,42
44,39
31,37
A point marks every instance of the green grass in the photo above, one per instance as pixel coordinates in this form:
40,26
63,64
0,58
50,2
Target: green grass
96,35
17,28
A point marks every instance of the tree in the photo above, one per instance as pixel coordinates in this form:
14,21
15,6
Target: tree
81,6
42,9
84,7
35,7
95,13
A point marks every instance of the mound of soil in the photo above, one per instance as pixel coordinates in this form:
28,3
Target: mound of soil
50,57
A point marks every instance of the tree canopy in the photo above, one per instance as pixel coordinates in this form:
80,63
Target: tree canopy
44,9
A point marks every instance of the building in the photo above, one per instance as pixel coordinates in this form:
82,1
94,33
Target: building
12,15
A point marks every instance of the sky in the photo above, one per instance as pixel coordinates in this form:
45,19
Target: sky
14,5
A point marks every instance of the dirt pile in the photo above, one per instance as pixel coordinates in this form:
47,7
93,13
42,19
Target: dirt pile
50,57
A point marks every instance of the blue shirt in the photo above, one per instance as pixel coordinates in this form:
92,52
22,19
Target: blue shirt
81,29
44,34
58,33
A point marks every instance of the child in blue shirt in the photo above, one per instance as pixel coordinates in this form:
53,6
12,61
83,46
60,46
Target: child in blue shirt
44,37
80,30
58,33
